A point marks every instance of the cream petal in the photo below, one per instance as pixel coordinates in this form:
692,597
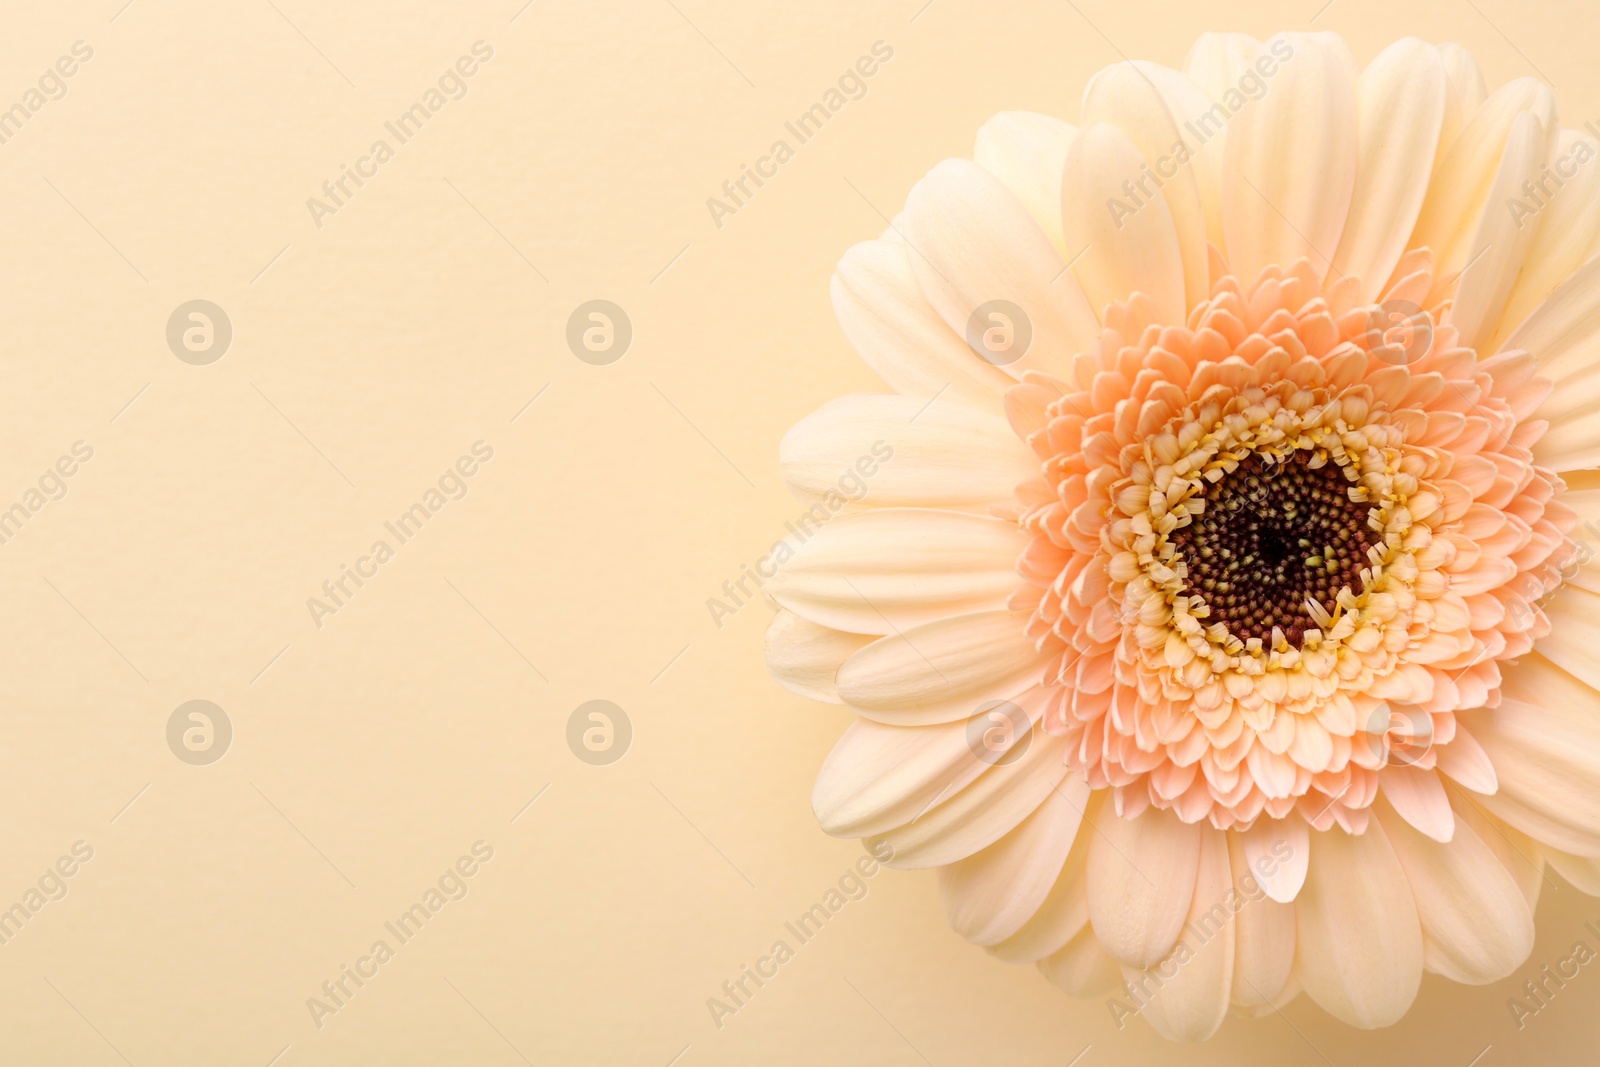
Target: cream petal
1263,952
1459,191
1581,567
888,320
1278,850
906,452
1516,851
989,896
1585,501
977,816
1141,875
1217,61
1419,798
805,657
1201,119
1128,96
1359,952
1548,763
1082,967
975,243
1260,1011
1540,825
1573,643
1568,232
1467,92
1563,333
878,777
1502,241
889,570
1540,680
1572,442
1476,926
1125,249
1026,150
1581,872
944,670
1401,99
1063,915
1290,166
1465,761
1191,1004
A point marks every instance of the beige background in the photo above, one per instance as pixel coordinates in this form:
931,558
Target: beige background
370,354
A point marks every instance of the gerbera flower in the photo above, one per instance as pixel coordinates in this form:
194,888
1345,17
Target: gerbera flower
1222,626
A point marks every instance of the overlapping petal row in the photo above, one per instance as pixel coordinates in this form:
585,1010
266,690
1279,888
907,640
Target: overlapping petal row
1171,708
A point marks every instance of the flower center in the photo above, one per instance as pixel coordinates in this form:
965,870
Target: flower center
1273,536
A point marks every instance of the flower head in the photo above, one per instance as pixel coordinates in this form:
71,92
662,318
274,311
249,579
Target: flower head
1223,626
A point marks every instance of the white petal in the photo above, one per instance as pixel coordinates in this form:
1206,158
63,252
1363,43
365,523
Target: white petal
974,243
1502,240
944,670
883,312
1082,968
1063,915
805,657
1476,926
1291,160
1568,230
1026,151
988,896
1419,798
1127,245
1263,952
887,570
1359,954
1141,879
1459,192
975,817
901,451
1129,96
1278,850
1401,103
1191,1004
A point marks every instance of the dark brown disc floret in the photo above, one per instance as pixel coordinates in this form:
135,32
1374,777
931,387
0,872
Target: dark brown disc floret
1272,536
